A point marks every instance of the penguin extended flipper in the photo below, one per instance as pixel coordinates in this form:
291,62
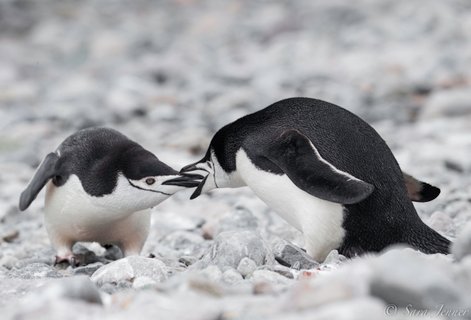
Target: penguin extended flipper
45,171
420,191
299,159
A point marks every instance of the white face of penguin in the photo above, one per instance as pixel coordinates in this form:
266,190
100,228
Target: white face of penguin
135,195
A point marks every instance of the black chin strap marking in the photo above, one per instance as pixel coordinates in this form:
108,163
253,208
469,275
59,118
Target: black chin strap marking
214,175
137,187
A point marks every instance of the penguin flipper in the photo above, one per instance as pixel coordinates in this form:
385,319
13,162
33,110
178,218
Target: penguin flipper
299,159
420,191
45,171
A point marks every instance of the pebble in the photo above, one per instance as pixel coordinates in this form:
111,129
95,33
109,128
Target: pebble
76,288
246,266
404,285
88,269
295,258
461,247
130,268
34,271
230,247
144,283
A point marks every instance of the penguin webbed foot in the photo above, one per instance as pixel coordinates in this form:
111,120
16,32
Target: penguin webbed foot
70,259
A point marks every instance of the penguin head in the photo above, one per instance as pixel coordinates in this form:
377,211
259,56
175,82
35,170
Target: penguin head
214,176
108,164
145,172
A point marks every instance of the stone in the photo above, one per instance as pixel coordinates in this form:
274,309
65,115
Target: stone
130,268
420,280
267,276
282,270
231,276
144,283
293,257
230,247
10,235
34,271
75,288
88,269
246,266
334,258
211,273
239,219
448,103
461,247
185,242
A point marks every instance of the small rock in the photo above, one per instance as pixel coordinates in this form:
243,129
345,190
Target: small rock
282,270
240,219
35,271
230,247
404,285
293,257
246,267
211,273
113,253
185,242
231,276
144,283
129,268
11,235
448,103
462,245
334,258
76,288
268,276
187,260
88,269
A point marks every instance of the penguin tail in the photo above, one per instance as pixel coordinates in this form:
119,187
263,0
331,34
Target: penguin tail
428,241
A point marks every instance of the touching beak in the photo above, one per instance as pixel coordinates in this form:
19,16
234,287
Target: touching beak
192,167
186,180
198,166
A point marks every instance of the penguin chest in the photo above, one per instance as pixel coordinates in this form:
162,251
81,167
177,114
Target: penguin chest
320,221
73,215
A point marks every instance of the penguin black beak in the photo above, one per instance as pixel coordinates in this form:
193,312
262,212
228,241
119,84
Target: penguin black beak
194,167
198,190
190,167
186,180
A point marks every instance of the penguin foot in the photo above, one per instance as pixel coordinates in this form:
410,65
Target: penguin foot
70,259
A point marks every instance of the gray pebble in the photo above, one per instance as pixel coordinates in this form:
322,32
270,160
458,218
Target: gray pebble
34,271
129,268
418,280
246,266
462,245
293,257
89,269
230,247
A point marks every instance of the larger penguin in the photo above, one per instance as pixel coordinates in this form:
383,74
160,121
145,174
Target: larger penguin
326,172
99,185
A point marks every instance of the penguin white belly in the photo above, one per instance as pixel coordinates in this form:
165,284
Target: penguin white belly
72,215
320,221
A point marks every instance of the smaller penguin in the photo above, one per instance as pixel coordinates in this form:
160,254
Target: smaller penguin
326,172
99,188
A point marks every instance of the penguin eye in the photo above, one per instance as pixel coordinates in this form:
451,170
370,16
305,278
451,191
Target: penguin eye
150,181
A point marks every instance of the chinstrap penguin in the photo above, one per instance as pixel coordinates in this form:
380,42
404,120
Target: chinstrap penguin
326,172
100,186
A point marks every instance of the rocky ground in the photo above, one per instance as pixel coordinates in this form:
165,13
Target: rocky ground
169,74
